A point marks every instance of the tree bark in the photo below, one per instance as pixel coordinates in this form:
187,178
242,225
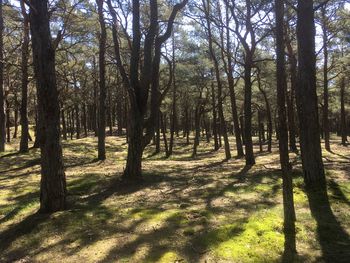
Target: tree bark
2,93
311,154
325,80
102,83
53,180
23,147
288,202
343,130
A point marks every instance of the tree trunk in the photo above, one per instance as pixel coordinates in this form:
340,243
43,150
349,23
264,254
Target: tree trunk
288,202
311,154
173,115
23,147
215,127
249,154
15,121
325,81
77,121
231,84
8,124
259,132
132,172
53,180
342,112
102,83
85,120
290,100
64,127
2,93
163,128
268,113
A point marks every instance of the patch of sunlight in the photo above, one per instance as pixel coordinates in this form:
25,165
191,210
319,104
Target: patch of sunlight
167,257
156,215
259,240
300,198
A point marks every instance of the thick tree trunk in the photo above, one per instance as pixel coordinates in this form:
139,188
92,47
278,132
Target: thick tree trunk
102,83
23,147
132,172
311,154
2,93
53,181
288,202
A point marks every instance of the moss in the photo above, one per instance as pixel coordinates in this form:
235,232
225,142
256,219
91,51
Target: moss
260,239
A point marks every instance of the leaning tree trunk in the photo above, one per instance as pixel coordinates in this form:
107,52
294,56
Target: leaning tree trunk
288,202
311,154
215,127
231,85
102,72
2,93
223,127
53,180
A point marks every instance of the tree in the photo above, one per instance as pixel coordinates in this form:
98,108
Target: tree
53,181
24,85
140,84
223,128
288,203
2,93
311,154
102,84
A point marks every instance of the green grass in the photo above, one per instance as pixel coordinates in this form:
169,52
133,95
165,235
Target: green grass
187,210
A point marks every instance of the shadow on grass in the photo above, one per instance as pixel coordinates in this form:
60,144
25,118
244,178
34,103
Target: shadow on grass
334,240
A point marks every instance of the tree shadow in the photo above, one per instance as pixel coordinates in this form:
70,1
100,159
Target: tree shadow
334,240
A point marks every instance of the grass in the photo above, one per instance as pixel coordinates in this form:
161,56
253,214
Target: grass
187,210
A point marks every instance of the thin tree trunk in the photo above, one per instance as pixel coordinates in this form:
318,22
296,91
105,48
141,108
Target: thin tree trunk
288,202
223,128
342,113
102,83
163,128
215,127
64,128
15,110
77,121
2,92
23,147
8,124
325,81
174,115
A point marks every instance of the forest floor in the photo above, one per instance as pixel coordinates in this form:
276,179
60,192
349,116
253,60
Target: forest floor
186,210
